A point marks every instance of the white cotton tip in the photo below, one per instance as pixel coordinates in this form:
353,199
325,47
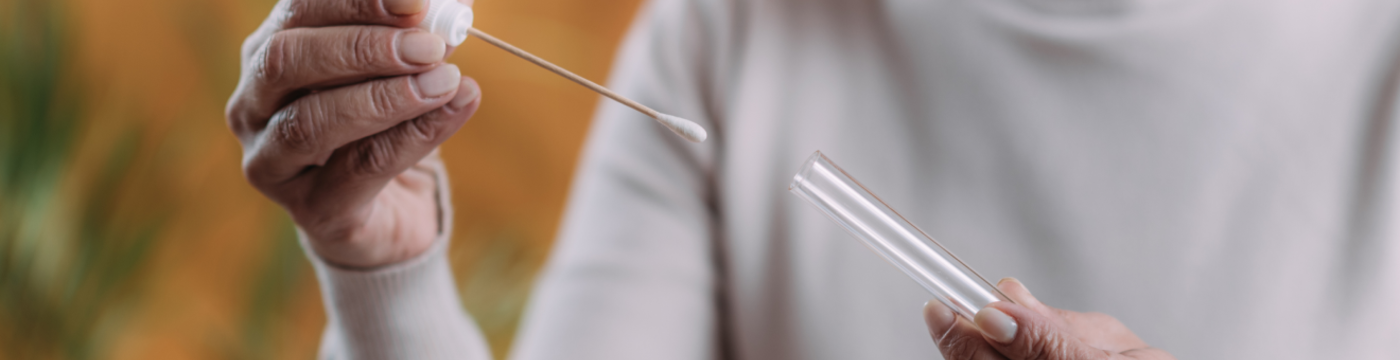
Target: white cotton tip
685,128
448,19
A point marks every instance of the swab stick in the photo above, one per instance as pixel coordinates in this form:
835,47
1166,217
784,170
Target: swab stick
685,128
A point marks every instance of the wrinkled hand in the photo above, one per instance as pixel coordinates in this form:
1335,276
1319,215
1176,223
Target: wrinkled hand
1033,331
340,107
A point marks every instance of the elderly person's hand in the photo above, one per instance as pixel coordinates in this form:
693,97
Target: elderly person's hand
1029,330
339,109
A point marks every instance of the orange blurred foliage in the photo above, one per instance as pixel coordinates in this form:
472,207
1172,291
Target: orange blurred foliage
226,279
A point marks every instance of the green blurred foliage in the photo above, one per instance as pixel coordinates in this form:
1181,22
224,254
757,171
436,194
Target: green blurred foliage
270,296
125,231
69,255
494,281
75,243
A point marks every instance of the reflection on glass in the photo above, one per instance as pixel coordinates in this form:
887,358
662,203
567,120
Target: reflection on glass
892,236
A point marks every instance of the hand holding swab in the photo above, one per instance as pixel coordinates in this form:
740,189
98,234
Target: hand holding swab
685,128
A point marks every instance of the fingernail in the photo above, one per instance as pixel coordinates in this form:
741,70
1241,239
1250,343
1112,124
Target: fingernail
938,317
420,47
404,7
466,92
1012,279
439,81
996,324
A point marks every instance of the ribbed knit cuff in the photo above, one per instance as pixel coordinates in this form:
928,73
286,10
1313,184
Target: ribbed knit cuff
408,310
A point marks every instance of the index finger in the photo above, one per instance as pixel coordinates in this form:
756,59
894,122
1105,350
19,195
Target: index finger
1014,289
315,13
956,337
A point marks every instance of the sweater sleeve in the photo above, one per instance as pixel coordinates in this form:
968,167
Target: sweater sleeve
408,310
633,273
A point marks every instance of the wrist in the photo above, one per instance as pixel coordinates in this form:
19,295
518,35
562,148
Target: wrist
402,221
379,241
359,257
399,223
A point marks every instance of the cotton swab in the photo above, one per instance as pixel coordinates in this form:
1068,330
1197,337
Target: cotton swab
685,128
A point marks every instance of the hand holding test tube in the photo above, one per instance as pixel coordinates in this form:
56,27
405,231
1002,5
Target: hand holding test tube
1016,326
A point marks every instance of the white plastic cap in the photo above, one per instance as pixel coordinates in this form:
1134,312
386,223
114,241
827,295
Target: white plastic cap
448,19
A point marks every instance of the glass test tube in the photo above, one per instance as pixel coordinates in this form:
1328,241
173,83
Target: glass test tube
892,236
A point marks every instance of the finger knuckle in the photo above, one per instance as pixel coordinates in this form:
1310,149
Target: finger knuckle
957,346
251,169
367,47
384,99
269,64
373,156
365,10
1042,343
299,13
256,170
240,117
421,130
255,42
291,129
234,116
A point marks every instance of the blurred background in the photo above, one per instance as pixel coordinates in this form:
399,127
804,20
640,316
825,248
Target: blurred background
128,232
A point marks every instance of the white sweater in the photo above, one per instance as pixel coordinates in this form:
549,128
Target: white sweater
1219,175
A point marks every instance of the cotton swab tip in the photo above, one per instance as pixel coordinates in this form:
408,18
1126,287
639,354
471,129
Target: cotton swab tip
685,128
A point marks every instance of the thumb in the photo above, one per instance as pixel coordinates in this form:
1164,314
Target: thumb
1020,333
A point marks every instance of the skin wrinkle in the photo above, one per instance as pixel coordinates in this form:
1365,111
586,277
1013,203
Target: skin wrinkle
292,134
381,99
365,48
374,157
237,112
395,96
1032,337
271,75
339,230
340,159
1043,333
370,10
389,54
270,72
377,100
961,345
263,159
358,54
376,154
420,130
1042,343
274,52
257,65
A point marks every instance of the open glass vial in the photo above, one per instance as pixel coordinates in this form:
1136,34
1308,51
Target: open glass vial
889,234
